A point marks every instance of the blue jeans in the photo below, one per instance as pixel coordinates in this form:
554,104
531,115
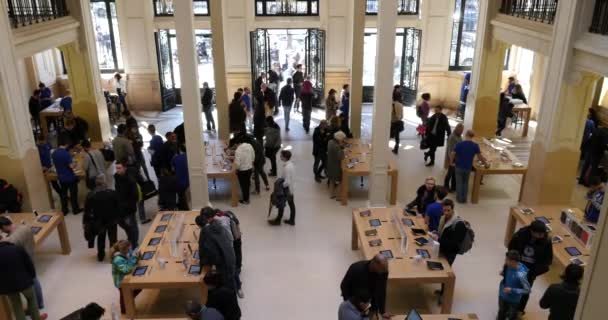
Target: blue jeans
38,291
507,310
287,115
462,184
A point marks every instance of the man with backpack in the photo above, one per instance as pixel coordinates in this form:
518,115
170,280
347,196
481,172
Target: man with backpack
100,216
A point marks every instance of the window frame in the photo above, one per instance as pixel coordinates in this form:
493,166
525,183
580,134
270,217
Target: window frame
401,13
307,14
156,14
457,66
116,69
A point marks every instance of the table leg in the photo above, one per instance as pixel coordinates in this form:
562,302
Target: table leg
64,239
127,294
234,190
394,183
448,294
344,189
354,237
521,187
511,224
526,123
49,192
476,186
5,308
43,126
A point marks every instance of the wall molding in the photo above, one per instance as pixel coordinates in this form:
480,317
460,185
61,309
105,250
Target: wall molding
44,36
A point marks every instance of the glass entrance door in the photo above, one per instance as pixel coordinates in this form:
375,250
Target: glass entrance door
165,67
405,64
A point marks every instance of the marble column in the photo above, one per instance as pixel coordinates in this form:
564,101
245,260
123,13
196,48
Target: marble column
219,68
539,71
486,75
356,71
191,101
385,54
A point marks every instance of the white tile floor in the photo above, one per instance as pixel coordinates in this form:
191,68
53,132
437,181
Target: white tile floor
295,272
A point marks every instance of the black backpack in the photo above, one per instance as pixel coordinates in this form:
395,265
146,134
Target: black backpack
10,198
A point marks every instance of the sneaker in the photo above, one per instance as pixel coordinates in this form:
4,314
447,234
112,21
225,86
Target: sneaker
290,222
101,256
145,221
240,294
318,179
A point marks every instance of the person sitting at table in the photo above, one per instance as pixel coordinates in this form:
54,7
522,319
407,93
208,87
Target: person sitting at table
333,167
561,298
17,274
368,276
595,198
68,181
216,248
34,108
66,102
536,251
22,235
124,261
510,86
220,297
101,209
46,96
425,195
355,308
196,311
434,211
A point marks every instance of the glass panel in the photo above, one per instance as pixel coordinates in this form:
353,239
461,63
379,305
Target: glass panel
165,56
287,7
116,36
205,58
369,59
469,31
201,8
175,59
398,58
315,9
259,8
101,26
165,7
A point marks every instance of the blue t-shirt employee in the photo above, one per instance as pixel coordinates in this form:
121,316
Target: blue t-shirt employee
68,180
463,155
46,96
595,199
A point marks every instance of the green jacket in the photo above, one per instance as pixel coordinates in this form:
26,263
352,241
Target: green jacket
122,266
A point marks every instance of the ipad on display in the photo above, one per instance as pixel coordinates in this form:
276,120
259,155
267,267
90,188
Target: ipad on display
375,222
423,253
573,251
35,230
166,217
408,222
154,241
140,271
45,218
421,241
434,265
147,255
371,233
387,254
195,269
365,213
161,228
375,243
418,232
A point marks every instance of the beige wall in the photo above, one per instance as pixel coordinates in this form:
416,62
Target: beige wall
26,175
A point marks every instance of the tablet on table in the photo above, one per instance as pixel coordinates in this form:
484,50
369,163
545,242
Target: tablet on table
140,271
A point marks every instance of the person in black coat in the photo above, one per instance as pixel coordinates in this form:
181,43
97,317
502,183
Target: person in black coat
34,107
536,250
561,298
438,129
286,98
101,208
236,114
162,159
596,146
320,137
17,274
125,185
207,102
425,195
452,231
180,133
368,276
220,297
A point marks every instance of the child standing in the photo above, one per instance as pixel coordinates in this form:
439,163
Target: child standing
512,287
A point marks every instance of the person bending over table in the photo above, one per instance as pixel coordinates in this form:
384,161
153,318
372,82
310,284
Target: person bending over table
425,195
368,276
215,247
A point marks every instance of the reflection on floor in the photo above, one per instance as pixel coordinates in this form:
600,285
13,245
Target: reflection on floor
295,272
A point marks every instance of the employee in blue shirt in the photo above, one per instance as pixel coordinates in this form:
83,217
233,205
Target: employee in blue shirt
462,157
595,199
180,165
66,102
46,96
68,181
434,211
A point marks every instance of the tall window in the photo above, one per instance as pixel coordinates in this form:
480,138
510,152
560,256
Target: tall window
165,7
404,7
286,7
105,25
463,34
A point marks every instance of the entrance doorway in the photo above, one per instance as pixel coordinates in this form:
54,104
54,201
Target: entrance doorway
168,64
406,63
282,49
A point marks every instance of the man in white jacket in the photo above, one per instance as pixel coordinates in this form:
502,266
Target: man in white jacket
244,157
289,175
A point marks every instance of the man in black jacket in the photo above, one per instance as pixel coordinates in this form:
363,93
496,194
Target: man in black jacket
561,298
298,80
207,102
425,195
220,297
536,250
368,276
128,196
101,208
166,154
215,247
320,138
17,275
286,98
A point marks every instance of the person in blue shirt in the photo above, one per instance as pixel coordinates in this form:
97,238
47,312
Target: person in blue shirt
156,144
590,125
44,152
46,96
68,181
434,211
180,166
513,286
464,93
595,199
345,102
462,157
66,102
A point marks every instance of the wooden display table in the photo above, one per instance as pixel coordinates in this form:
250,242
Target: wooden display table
361,152
52,112
173,275
56,222
219,166
470,316
523,110
552,213
501,160
403,269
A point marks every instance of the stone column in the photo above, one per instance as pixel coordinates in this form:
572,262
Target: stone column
219,67
85,88
539,70
356,71
486,75
385,52
567,94
191,101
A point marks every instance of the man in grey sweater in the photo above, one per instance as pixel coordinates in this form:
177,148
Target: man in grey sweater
123,147
22,235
